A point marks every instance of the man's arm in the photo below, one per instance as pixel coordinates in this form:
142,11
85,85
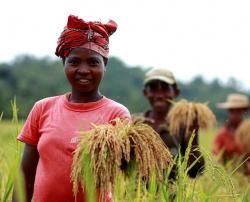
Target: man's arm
195,159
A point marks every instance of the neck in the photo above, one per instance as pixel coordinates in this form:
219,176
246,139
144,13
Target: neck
159,115
83,97
232,126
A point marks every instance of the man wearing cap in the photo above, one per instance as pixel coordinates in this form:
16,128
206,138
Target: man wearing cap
160,88
224,143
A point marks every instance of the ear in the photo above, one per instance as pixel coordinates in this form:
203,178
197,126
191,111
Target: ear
177,92
145,93
246,110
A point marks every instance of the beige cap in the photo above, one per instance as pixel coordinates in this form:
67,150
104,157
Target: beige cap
235,101
161,74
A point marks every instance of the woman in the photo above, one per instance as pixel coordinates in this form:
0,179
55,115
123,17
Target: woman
53,125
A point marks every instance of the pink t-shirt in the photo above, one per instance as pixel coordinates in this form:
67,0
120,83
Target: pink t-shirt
53,126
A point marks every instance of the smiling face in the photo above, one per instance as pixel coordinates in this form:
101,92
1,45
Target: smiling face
158,93
84,69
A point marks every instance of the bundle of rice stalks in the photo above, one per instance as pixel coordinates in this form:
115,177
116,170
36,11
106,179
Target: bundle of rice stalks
242,135
148,150
107,146
138,118
103,147
190,116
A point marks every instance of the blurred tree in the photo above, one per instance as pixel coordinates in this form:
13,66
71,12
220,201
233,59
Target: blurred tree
30,79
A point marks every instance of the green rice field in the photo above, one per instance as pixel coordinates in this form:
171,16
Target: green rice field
216,184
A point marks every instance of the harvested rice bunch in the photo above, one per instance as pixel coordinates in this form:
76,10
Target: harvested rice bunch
138,118
191,116
242,135
103,145
148,150
109,144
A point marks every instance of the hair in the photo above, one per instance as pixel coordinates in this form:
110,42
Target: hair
176,88
105,61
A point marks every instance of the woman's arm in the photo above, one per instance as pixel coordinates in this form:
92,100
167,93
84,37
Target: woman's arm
28,165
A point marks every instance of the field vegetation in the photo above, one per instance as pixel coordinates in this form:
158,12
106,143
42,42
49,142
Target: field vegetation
216,184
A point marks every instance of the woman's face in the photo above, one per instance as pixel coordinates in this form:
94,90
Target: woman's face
84,70
158,94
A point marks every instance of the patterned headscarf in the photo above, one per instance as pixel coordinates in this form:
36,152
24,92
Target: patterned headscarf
90,35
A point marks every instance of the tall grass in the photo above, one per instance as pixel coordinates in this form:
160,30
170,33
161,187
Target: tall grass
216,184
10,154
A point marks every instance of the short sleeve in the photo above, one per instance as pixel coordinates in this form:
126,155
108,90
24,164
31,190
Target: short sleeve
122,113
30,131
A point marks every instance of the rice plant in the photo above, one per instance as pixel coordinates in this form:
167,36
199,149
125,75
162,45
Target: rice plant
190,115
217,183
111,146
10,162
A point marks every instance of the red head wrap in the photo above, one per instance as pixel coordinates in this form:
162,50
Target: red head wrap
90,35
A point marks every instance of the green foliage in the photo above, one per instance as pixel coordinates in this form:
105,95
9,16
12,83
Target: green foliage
124,84
89,180
10,154
216,184
29,79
